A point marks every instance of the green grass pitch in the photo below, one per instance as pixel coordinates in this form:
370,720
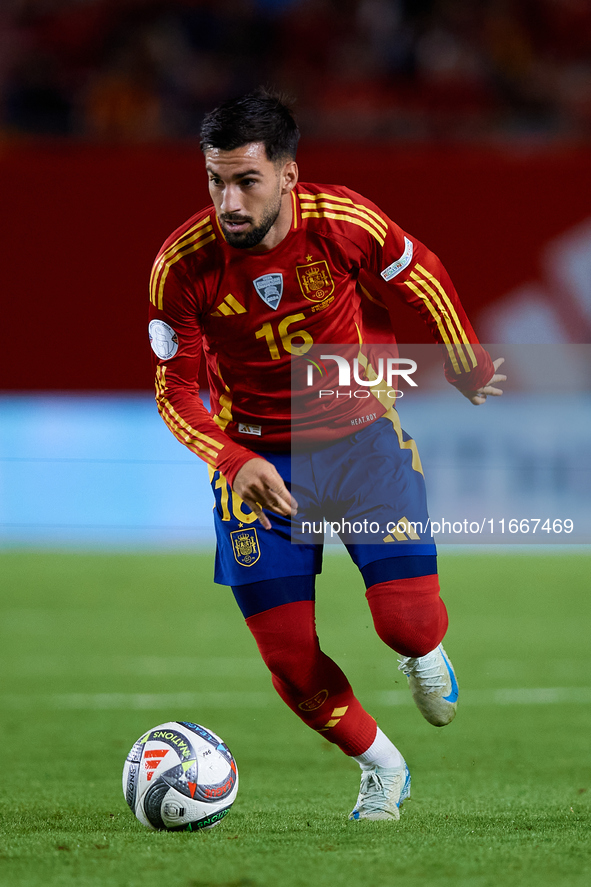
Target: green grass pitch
96,649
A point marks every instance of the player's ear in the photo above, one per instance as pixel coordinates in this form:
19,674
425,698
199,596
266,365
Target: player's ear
289,176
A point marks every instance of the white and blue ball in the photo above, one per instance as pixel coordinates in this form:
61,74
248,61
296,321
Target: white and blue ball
180,776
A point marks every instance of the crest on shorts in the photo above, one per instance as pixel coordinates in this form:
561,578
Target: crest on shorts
245,545
315,281
270,288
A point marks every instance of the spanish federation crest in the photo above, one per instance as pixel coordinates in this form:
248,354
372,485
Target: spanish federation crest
245,545
315,281
270,288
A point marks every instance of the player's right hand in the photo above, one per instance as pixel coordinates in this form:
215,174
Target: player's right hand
259,484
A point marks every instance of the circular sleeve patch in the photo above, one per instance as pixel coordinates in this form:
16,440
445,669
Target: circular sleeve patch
163,339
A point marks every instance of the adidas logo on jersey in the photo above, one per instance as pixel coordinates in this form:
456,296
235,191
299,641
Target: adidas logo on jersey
229,306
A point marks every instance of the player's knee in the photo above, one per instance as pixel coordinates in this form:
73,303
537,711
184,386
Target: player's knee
410,639
409,616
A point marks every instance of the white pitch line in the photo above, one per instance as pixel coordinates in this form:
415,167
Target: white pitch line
238,700
112,701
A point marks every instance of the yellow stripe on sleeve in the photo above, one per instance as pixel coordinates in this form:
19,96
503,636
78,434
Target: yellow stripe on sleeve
200,439
347,200
345,218
452,310
436,316
225,401
185,438
446,318
210,445
327,202
350,210
206,235
178,244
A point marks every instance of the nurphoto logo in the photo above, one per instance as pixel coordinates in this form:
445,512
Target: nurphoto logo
388,373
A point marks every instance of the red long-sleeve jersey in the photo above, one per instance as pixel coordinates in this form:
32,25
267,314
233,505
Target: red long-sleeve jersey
250,312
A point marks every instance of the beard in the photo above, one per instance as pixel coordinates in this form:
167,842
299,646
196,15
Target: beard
251,238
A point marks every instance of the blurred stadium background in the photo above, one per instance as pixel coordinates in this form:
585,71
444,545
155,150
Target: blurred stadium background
468,122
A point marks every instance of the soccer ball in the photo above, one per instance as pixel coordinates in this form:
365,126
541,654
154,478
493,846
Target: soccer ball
180,777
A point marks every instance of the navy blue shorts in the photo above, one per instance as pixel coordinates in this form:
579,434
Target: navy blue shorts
367,488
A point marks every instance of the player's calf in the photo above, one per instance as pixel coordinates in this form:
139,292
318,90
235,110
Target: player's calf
308,680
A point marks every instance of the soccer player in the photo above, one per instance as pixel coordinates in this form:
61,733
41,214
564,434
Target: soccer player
270,269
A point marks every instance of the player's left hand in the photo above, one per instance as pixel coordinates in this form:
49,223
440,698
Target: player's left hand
479,396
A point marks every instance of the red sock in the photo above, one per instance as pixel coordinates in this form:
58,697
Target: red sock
408,614
307,680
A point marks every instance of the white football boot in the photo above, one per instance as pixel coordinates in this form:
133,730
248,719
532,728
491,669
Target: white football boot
382,791
433,685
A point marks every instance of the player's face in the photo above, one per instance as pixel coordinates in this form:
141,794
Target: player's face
248,192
